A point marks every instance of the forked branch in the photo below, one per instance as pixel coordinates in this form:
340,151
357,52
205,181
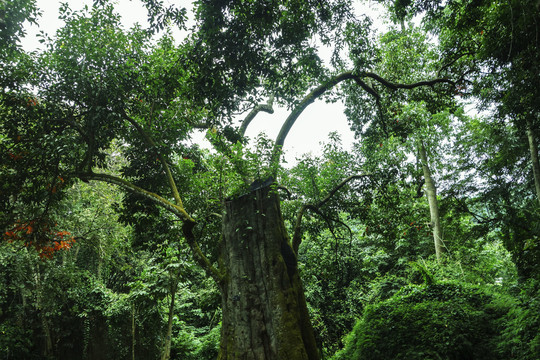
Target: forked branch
151,143
157,199
298,232
179,211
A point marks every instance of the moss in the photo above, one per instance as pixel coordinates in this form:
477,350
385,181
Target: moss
438,321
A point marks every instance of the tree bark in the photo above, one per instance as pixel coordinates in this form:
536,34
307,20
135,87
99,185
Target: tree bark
47,346
265,314
534,158
431,193
167,347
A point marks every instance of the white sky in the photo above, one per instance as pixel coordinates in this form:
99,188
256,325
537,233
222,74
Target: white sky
311,128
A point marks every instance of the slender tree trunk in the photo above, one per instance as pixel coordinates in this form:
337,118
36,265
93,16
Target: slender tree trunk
265,316
47,351
534,158
431,193
167,347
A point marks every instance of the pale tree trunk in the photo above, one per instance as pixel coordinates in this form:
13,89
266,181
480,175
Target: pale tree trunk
47,351
431,193
265,316
534,158
167,347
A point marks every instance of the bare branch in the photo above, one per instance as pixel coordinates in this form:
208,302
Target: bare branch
308,99
297,234
268,108
396,86
348,75
188,221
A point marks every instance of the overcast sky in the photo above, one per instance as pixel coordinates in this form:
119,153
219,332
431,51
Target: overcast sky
311,128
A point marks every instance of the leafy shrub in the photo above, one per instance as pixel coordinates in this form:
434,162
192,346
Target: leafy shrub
438,321
521,337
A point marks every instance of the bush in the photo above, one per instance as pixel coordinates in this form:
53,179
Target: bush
521,337
438,321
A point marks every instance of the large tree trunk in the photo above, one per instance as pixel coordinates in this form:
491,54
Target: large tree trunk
431,193
534,157
264,310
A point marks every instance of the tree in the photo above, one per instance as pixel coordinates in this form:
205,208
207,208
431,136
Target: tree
495,45
97,83
420,119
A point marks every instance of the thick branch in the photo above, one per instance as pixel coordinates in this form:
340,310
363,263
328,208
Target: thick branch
179,211
396,86
293,116
111,179
348,75
268,108
297,235
161,158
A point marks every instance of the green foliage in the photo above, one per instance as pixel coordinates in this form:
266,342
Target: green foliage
15,65
446,320
521,339
106,99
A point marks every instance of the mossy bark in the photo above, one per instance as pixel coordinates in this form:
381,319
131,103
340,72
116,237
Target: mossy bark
431,192
264,310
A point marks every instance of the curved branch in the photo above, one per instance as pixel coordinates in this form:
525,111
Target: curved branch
308,99
297,234
268,108
396,86
289,194
348,75
160,156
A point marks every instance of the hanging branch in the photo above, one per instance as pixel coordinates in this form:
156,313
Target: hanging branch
297,234
203,261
